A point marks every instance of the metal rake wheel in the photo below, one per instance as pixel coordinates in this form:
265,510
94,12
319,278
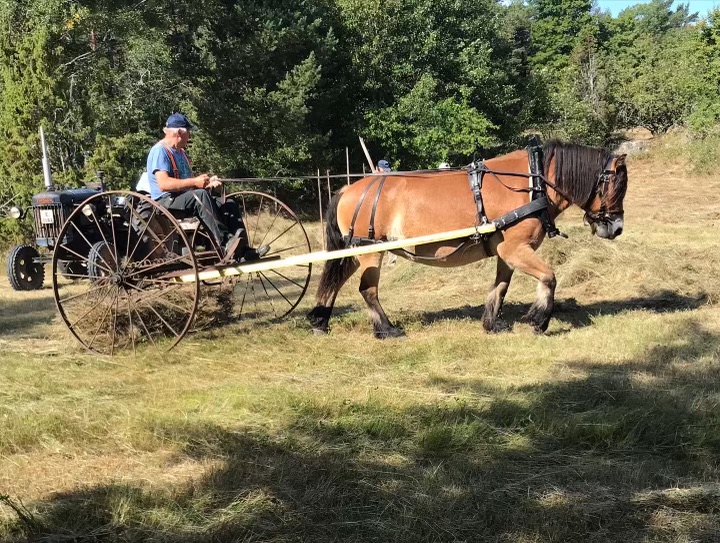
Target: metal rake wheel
271,294
133,249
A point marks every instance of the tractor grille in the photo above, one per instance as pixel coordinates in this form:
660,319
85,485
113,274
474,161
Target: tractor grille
49,220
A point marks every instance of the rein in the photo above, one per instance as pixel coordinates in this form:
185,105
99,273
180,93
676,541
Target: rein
544,179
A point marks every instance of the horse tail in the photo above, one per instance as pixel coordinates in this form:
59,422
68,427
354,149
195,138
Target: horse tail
335,272
333,236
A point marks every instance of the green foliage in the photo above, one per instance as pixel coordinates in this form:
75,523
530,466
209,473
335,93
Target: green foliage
558,27
29,98
704,121
459,62
581,107
428,129
121,158
662,90
281,88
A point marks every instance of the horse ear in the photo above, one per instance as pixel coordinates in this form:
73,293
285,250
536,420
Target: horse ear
620,160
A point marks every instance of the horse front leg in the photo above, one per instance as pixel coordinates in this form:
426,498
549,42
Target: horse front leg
496,297
369,280
523,258
335,275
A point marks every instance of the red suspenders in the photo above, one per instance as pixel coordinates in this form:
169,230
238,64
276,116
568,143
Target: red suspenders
176,171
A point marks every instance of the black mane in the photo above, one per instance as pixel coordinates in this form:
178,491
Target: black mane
577,168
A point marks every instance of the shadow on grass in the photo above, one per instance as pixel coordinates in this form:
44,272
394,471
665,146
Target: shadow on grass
16,315
619,452
578,315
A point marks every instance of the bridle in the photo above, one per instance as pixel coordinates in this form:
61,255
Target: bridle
602,187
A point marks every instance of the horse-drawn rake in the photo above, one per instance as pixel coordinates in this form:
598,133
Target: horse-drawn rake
127,272
141,272
138,272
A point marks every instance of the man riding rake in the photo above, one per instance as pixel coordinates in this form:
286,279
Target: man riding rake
172,184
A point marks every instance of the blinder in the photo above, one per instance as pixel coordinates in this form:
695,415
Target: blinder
601,189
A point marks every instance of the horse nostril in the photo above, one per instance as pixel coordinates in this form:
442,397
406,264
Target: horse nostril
618,231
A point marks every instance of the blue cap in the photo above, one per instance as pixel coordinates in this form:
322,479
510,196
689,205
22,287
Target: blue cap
384,164
178,120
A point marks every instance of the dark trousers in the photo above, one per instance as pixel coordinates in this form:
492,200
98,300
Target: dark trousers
221,219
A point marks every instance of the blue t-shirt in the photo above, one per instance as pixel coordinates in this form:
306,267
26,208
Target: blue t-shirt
158,159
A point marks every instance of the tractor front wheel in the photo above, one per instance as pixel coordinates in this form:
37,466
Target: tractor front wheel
23,270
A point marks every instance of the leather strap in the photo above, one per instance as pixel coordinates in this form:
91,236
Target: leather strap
475,178
537,182
371,228
516,215
176,170
351,230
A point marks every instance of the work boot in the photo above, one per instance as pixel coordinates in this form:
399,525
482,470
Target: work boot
250,254
232,247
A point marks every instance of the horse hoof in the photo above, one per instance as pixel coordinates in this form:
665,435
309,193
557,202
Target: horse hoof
320,331
539,329
499,327
391,333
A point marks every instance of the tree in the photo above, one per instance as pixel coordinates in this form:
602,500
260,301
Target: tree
425,129
456,58
559,25
28,82
706,114
662,91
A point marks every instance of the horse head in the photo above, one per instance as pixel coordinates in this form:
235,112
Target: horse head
593,179
604,211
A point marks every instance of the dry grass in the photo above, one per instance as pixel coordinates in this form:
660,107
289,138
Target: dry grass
605,429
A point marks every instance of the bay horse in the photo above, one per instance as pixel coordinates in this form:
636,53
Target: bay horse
419,203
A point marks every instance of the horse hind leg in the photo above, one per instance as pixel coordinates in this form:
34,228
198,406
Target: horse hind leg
496,297
335,274
523,258
369,280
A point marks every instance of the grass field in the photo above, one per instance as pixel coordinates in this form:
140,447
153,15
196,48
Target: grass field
607,428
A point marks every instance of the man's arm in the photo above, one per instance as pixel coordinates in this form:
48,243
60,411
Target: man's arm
170,184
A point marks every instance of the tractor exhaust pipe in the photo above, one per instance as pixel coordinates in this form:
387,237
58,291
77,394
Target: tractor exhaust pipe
46,162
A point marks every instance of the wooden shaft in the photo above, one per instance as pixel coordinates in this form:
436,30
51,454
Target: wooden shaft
347,163
322,223
323,256
367,155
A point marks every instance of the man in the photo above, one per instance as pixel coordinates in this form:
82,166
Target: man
173,186
383,166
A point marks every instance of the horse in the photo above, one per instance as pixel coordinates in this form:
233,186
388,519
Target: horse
414,204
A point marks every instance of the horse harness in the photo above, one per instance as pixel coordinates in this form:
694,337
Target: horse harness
351,240
601,190
539,202
537,207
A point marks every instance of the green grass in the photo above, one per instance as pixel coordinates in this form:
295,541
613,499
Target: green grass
607,428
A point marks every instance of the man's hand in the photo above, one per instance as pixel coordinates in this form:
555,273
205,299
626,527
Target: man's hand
202,180
213,182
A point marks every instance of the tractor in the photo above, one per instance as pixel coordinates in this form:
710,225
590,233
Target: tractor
50,209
